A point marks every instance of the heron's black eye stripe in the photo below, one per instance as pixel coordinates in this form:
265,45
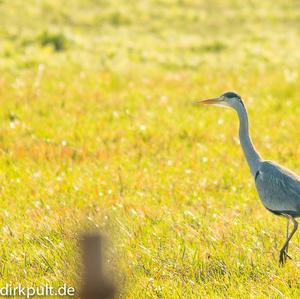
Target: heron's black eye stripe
256,175
241,102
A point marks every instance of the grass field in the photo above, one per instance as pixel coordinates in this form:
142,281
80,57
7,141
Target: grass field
97,131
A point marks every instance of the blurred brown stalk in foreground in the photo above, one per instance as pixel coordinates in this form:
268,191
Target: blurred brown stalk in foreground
96,284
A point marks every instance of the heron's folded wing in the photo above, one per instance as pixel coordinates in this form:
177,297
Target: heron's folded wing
279,188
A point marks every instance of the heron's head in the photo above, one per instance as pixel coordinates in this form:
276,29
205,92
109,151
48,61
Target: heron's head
227,99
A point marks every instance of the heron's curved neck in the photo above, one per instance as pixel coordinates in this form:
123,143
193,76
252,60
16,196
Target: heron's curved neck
251,154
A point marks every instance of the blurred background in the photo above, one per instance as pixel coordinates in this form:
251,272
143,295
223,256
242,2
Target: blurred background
172,35
97,131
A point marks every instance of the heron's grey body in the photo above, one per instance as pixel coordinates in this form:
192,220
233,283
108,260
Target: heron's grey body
278,187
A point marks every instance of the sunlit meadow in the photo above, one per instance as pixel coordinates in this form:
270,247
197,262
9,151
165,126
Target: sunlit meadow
97,132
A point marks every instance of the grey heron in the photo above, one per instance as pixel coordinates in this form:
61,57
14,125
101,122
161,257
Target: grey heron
277,187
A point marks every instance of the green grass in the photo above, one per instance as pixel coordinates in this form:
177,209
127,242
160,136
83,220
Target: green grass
97,131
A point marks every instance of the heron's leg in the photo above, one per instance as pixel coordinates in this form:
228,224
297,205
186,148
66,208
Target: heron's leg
287,234
283,254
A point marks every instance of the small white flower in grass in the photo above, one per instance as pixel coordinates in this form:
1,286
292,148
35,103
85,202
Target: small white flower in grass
115,114
133,212
142,128
204,159
236,140
169,109
169,162
220,121
18,181
189,213
188,171
63,142
163,99
201,146
222,136
100,194
203,182
50,190
109,192
191,282
12,125
6,229
290,75
37,174
76,188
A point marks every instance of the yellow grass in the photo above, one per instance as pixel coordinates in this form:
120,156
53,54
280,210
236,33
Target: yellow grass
98,132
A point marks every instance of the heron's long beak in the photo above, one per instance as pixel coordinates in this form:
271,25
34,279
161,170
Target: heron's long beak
208,101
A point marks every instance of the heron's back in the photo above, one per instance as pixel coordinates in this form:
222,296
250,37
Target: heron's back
278,188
